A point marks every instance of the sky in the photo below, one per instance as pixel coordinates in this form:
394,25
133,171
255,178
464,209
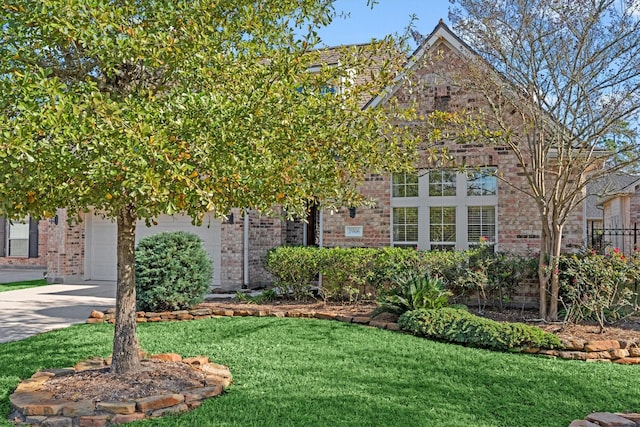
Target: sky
386,17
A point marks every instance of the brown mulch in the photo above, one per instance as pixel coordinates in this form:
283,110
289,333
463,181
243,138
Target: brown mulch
155,378
628,329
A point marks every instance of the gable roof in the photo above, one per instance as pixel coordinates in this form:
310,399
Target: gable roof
440,33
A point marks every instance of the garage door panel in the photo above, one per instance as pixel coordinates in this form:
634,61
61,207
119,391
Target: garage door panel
102,240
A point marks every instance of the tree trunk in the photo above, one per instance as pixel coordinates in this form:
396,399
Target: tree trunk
125,343
554,264
542,280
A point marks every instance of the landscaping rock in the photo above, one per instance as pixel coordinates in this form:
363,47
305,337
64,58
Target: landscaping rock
604,345
606,419
157,402
40,408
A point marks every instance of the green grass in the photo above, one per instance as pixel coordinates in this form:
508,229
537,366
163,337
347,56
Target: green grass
14,286
307,372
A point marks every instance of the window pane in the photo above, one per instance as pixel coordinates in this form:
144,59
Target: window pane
405,225
442,183
441,247
18,239
481,223
482,182
19,247
404,185
412,233
442,224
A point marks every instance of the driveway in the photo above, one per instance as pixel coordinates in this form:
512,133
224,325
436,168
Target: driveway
32,311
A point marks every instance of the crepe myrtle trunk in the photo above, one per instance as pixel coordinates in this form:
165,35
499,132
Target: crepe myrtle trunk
126,358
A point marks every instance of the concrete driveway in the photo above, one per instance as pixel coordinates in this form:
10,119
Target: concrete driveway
32,311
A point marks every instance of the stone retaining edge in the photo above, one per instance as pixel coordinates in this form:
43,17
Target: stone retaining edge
31,406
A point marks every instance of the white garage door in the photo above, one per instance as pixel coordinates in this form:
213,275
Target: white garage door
100,249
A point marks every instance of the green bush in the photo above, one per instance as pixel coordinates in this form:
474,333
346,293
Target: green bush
391,263
347,273
599,287
452,325
294,268
173,271
413,293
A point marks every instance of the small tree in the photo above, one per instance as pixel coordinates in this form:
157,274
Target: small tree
142,108
565,75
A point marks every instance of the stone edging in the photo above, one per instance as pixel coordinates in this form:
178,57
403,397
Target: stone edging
607,419
34,407
617,351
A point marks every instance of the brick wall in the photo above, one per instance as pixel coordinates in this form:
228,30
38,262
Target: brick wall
232,269
375,221
65,249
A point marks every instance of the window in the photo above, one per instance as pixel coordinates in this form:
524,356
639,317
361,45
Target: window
482,182
405,226
481,224
442,227
18,238
405,185
444,209
442,183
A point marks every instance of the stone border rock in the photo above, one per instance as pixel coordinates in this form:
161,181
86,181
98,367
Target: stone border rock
617,351
607,419
34,407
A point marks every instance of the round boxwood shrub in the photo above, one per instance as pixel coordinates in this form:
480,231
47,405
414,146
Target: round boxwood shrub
173,271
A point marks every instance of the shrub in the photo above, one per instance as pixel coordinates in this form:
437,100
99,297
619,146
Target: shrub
173,271
598,287
294,268
462,327
414,292
493,277
347,272
391,263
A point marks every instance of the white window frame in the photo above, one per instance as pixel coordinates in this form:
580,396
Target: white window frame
19,225
461,201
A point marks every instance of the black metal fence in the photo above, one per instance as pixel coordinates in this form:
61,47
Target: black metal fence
625,239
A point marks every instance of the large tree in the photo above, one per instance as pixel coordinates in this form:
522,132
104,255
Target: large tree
566,74
139,108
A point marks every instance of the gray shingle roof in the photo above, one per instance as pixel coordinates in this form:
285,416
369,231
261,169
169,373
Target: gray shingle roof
605,187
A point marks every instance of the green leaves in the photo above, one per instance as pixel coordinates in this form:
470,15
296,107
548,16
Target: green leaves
186,107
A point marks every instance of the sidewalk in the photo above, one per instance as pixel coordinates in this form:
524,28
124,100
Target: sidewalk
31,311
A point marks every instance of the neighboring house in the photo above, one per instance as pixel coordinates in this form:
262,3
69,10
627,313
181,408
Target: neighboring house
434,208
617,198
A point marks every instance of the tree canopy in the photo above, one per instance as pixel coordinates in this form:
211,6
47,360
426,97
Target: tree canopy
566,76
138,108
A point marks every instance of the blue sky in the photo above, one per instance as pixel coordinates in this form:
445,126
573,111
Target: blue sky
386,17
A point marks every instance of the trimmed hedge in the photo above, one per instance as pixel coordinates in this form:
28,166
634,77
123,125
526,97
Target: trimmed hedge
173,271
351,273
457,326
294,268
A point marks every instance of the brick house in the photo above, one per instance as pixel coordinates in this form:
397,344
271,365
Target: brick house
435,208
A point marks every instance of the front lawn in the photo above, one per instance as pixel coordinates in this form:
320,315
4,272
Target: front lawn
14,286
305,372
